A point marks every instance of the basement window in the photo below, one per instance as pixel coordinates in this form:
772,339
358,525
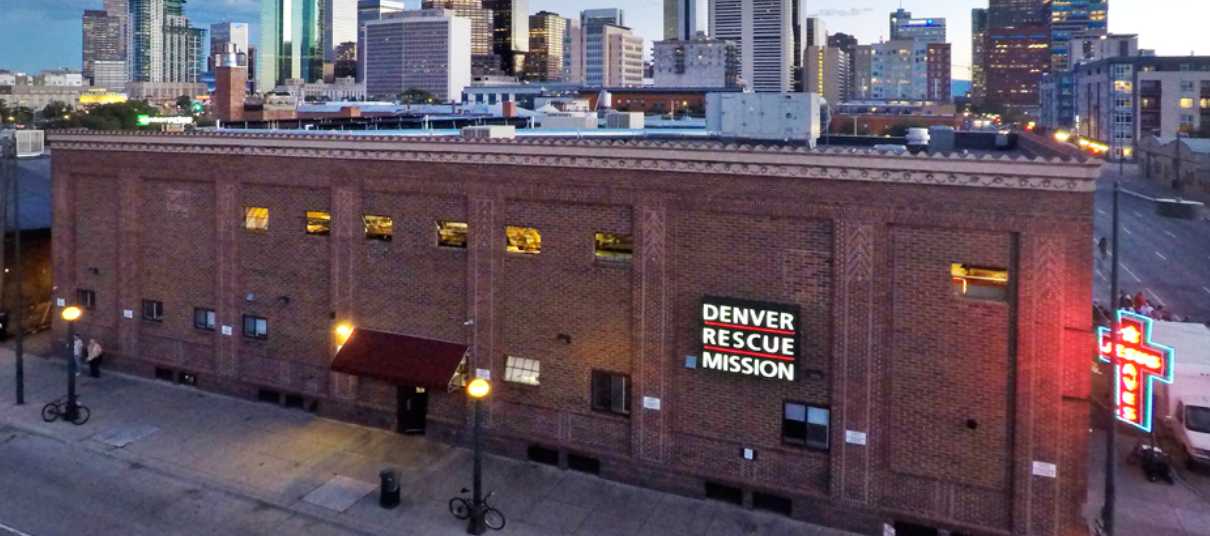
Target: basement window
979,282
319,223
452,234
523,240
614,246
256,218
378,227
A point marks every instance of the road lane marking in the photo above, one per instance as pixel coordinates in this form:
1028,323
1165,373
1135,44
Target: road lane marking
1136,213
1169,233
13,531
1206,289
1127,268
1102,212
1127,229
1157,297
1101,275
1160,255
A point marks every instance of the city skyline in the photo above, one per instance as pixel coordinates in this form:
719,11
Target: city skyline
25,30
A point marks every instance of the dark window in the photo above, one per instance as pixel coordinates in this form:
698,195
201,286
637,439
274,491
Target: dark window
772,503
583,464
319,222
164,374
805,425
293,401
153,310
725,493
256,327
86,298
540,454
611,392
203,318
268,395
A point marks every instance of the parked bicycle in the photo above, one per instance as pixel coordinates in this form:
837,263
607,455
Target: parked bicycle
58,409
461,507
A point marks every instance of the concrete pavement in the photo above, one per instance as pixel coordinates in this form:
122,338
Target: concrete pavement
163,459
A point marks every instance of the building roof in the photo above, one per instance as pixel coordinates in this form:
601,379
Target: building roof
1035,163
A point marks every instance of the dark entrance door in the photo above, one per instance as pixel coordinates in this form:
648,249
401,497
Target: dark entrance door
413,409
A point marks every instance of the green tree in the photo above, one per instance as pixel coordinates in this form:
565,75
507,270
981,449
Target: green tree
416,96
117,116
184,103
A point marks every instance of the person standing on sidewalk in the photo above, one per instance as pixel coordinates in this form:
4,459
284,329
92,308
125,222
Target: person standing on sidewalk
77,352
94,358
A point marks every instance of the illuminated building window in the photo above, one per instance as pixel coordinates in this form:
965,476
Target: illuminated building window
980,283
203,318
256,327
86,298
378,227
615,247
153,310
522,370
256,218
610,392
452,234
1186,103
805,425
523,240
319,222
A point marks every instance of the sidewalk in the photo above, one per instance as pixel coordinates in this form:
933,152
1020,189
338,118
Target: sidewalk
328,470
1147,508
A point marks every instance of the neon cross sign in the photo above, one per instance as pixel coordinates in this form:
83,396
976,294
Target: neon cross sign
1138,362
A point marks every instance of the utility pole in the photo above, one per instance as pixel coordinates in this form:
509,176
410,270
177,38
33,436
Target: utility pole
17,320
8,164
1111,447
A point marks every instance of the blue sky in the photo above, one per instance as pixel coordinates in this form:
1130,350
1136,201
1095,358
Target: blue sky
38,34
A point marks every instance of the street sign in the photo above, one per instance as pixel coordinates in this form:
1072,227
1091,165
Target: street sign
1137,363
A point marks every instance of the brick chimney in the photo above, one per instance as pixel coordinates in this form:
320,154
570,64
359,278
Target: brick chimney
231,88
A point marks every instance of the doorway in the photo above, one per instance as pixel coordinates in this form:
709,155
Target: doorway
412,410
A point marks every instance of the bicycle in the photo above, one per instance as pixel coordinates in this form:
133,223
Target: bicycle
461,508
52,411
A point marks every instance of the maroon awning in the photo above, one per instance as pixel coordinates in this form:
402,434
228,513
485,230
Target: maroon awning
399,359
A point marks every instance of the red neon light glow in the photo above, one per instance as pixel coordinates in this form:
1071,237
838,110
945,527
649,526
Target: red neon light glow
722,350
749,328
1137,361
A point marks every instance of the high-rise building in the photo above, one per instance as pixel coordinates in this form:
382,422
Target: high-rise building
843,41
1016,54
827,72
547,32
338,19
929,30
1070,18
367,10
817,33
898,70
897,18
291,43
591,23
939,74
110,75
163,46
1058,90
680,19
427,50
764,31
701,62
573,51
104,39
228,40
621,58
482,31
183,59
510,33
862,66
978,46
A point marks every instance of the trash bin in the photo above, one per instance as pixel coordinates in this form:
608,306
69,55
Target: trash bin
388,493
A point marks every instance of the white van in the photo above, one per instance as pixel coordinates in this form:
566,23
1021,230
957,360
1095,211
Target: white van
1186,402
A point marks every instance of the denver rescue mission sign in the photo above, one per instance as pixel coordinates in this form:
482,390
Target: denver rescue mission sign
750,338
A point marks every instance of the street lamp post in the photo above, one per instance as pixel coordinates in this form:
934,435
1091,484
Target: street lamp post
478,389
71,315
1111,448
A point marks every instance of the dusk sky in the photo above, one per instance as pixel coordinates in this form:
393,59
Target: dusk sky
39,34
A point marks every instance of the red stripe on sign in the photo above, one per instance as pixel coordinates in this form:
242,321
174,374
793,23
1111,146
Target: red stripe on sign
749,328
744,352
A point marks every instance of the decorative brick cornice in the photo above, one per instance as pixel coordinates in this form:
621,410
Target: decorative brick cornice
985,170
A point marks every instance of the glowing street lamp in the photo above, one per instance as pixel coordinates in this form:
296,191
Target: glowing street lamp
478,389
343,331
71,315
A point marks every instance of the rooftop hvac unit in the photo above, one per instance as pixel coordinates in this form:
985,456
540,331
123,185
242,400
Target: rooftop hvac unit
496,132
764,116
28,143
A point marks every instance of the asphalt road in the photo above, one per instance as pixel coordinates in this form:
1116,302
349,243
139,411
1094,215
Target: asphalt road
51,488
1168,259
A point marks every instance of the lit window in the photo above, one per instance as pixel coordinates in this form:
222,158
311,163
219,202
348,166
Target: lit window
256,327
378,227
203,318
86,298
1186,103
610,392
614,246
979,282
452,234
522,370
319,222
153,310
805,425
523,240
256,218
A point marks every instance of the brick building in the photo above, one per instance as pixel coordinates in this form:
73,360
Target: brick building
933,312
